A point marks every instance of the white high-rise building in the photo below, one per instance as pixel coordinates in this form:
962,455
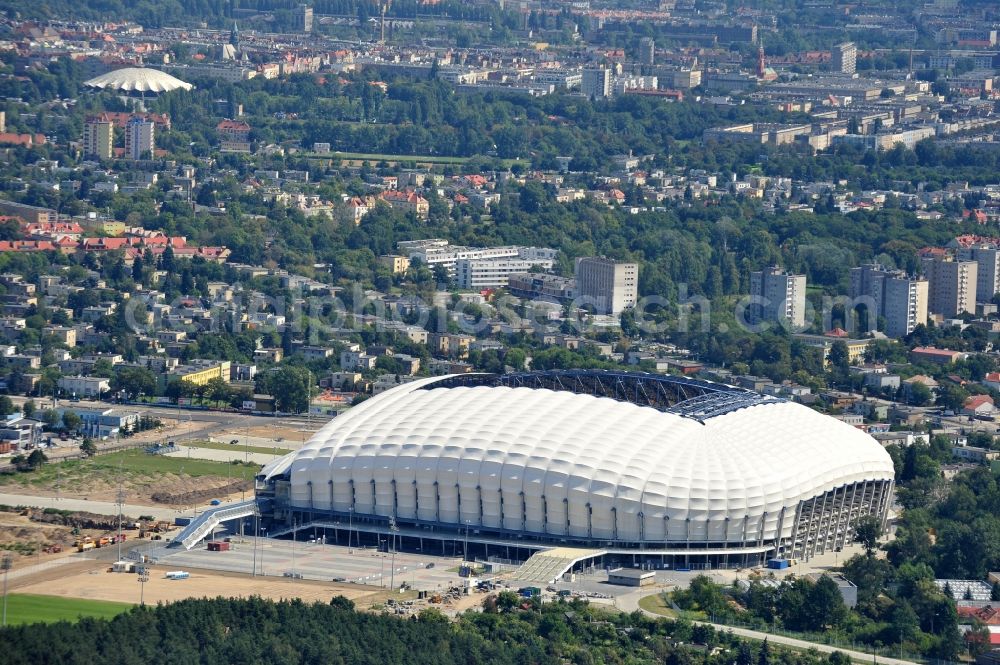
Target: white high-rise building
987,258
98,137
596,82
901,301
952,285
783,295
139,138
609,286
844,58
647,51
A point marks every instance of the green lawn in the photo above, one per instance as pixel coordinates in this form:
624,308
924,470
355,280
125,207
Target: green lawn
657,605
138,461
132,463
29,608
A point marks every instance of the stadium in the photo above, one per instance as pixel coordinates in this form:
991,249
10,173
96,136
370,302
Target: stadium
664,470
137,81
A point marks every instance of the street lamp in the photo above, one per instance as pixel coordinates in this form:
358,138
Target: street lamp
381,575
262,553
143,578
392,573
5,565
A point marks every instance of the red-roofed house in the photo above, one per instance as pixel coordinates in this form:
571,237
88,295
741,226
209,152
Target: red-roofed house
234,136
935,355
27,246
407,202
978,405
933,252
977,216
989,615
992,380
27,140
359,207
51,230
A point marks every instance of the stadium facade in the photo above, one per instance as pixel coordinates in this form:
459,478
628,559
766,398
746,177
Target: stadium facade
667,469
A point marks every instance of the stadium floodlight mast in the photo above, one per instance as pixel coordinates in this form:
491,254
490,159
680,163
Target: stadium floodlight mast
5,565
143,578
392,573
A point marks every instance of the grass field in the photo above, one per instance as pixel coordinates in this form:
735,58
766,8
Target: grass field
657,605
132,463
29,608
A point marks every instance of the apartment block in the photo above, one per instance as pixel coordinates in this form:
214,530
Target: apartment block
491,273
98,138
609,286
844,58
987,258
139,138
900,300
951,284
781,295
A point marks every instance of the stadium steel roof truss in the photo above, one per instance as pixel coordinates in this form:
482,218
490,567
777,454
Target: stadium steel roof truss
689,398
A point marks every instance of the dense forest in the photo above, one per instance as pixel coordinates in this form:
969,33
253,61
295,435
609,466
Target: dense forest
508,630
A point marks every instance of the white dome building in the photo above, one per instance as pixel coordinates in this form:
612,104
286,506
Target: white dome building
138,80
661,465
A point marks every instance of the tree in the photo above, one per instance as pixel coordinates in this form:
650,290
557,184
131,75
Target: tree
36,459
867,531
217,390
29,408
88,448
978,639
290,387
825,604
904,624
764,656
71,420
50,417
507,600
952,396
743,654
6,406
919,394
839,356
133,381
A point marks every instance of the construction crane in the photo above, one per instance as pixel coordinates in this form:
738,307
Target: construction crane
383,8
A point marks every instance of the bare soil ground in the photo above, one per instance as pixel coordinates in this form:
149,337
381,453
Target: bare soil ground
91,580
148,490
20,535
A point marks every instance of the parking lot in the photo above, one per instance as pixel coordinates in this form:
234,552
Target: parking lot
316,561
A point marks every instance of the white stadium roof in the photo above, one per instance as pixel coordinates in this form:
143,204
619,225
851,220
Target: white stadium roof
563,463
138,79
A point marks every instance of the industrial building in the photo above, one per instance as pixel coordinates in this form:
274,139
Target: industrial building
665,470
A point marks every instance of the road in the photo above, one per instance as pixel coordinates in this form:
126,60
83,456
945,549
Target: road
630,603
99,507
